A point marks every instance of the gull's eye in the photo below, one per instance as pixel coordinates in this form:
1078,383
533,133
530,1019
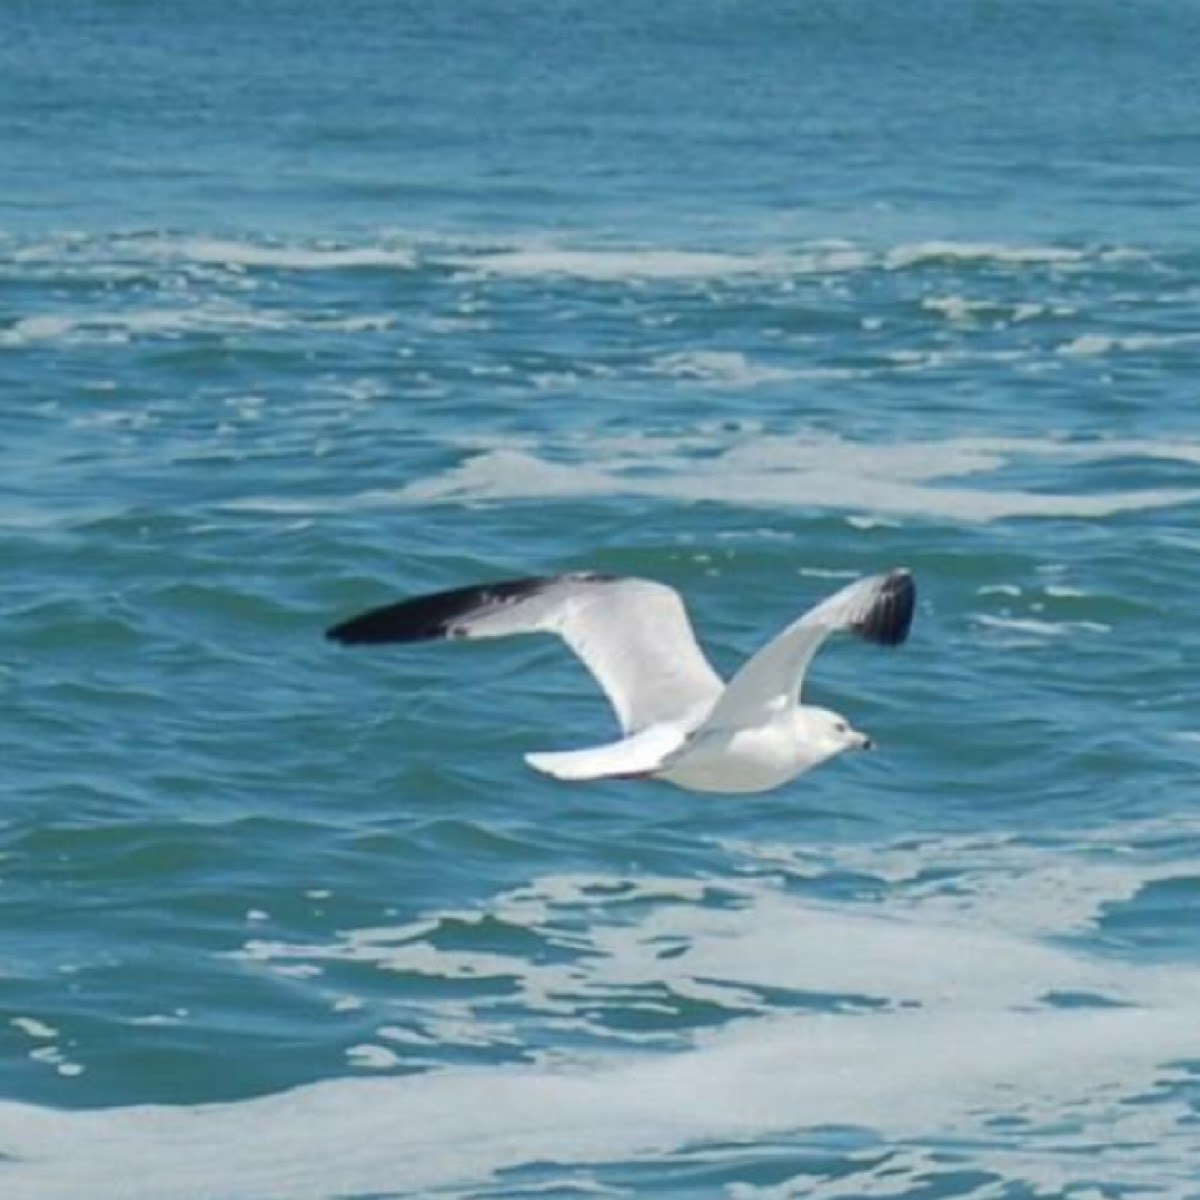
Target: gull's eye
842,727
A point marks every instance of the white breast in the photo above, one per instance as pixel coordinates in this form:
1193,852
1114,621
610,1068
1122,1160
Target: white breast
743,761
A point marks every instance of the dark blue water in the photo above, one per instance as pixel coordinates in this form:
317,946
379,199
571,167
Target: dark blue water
304,307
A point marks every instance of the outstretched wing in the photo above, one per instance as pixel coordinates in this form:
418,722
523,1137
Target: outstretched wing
878,609
632,634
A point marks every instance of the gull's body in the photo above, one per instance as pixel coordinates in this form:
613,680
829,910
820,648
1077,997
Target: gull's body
680,723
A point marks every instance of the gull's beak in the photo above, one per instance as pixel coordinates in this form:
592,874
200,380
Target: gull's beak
864,742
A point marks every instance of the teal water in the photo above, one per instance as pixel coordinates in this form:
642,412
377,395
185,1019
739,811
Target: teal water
305,307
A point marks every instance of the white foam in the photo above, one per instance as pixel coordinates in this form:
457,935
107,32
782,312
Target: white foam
1042,628
924,253
895,959
619,265
235,261
871,523
799,471
998,882
121,326
631,264
721,368
900,1073
964,1047
1089,345
965,311
963,927
955,308
32,1027
216,315
371,1057
36,329
154,1019
242,254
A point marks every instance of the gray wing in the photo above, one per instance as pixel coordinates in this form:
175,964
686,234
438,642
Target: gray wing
632,634
878,609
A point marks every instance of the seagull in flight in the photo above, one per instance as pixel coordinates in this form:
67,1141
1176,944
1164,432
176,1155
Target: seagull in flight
679,721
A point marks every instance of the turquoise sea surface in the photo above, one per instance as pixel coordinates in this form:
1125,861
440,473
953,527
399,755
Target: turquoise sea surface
308,306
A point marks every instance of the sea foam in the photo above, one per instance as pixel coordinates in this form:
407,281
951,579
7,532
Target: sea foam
779,471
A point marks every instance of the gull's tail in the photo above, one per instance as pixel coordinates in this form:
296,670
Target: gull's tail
631,758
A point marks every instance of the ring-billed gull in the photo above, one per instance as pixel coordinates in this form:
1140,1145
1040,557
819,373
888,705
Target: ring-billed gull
680,722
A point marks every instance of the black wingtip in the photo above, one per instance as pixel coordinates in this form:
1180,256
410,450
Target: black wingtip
890,618
364,629
423,618
440,614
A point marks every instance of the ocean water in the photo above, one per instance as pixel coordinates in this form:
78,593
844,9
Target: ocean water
308,306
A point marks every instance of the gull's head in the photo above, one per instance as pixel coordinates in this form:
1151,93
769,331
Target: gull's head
829,733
